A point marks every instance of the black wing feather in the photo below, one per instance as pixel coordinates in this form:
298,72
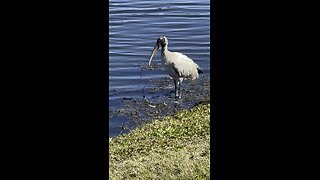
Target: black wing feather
199,71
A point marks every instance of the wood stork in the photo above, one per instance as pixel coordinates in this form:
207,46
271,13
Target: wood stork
177,65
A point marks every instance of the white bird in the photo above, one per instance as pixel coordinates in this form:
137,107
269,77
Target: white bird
177,65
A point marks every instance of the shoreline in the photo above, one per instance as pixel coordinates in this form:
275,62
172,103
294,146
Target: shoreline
137,111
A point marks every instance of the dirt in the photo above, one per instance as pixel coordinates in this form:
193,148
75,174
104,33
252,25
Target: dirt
160,101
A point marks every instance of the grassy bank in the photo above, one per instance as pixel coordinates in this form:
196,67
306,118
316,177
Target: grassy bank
176,147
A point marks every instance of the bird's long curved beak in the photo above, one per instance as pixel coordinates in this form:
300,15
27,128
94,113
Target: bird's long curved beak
155,49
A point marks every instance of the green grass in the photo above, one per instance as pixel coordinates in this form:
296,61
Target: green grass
175,147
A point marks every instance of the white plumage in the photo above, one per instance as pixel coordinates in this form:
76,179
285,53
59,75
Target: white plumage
177,65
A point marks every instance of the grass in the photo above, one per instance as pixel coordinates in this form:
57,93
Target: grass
174,147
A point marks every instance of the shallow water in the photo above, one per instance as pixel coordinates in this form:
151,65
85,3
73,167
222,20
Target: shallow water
134,27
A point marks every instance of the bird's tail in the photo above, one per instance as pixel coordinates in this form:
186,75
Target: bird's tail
199,71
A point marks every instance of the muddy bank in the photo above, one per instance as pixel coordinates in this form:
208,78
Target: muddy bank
158,100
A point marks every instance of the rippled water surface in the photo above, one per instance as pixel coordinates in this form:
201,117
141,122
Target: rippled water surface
134,27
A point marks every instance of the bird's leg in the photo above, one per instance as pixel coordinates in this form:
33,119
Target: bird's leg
175,88
179,82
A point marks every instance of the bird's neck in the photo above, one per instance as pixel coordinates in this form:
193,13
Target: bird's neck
164,48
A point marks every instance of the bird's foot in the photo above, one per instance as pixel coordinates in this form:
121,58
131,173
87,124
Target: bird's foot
177,100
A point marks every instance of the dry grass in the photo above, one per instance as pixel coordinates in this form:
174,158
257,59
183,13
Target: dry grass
176,147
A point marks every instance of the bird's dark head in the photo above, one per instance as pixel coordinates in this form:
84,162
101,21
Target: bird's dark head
162,41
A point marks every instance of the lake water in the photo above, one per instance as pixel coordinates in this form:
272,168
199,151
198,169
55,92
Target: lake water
134,27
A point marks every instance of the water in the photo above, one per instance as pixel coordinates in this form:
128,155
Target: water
134,27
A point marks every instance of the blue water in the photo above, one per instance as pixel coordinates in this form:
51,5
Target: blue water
134,27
